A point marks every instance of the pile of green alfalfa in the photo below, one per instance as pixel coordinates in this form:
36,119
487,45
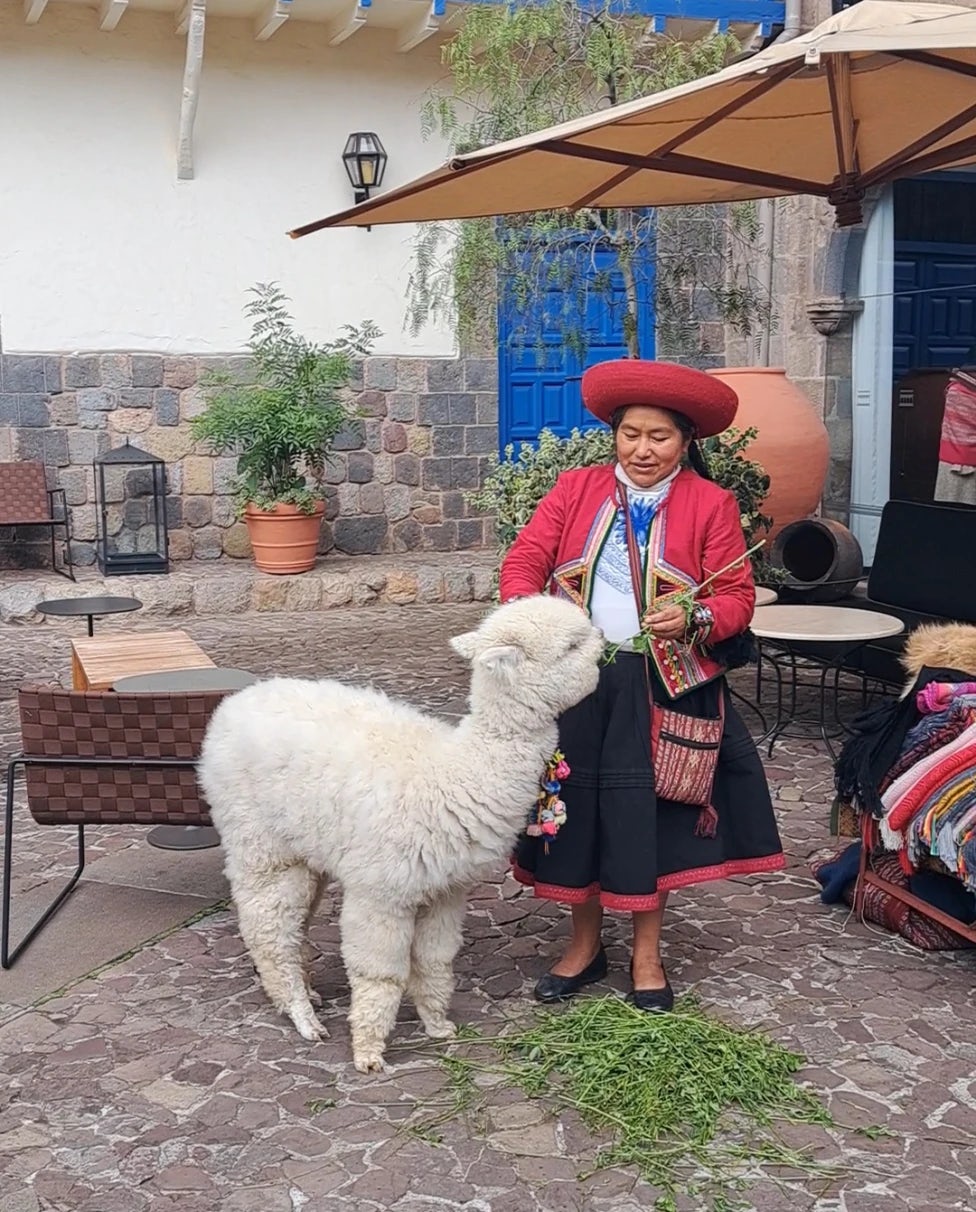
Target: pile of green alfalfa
695,1105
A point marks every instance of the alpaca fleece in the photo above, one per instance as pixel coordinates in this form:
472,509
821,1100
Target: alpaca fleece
309,782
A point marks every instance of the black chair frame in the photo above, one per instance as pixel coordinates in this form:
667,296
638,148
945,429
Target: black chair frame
67,568
9,957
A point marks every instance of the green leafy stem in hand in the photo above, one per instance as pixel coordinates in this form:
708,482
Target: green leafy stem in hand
685,598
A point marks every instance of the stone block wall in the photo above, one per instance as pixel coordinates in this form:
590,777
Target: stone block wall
423,432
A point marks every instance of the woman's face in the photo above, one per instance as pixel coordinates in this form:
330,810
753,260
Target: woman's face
649,445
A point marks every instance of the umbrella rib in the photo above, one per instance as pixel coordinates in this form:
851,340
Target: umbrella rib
929,60
842,113
771,80
397,195
965,149
881,172
688,166
588,198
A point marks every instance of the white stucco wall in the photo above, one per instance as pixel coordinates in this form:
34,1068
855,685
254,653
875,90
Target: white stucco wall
101,247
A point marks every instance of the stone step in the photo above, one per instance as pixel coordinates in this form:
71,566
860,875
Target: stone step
224,587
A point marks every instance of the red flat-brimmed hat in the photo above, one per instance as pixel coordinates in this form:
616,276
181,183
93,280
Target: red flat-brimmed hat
707,402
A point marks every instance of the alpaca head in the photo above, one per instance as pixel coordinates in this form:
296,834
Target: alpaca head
540,652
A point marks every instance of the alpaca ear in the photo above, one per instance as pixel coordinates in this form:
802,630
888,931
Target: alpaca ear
466,645
501,658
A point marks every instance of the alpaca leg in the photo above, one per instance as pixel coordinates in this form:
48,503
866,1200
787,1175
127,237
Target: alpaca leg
376,951
272,908
309,953
436,942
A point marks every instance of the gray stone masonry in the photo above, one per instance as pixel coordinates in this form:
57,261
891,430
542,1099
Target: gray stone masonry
204,588
423,433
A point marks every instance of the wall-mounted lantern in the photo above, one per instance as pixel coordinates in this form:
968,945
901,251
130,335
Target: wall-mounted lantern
365,160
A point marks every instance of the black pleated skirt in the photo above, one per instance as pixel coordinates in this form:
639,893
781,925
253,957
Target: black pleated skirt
622,843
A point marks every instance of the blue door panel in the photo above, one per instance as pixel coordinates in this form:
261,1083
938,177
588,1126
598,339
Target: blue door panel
539,368
935,325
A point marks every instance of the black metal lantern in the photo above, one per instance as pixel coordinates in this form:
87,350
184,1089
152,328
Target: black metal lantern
365,160
130,507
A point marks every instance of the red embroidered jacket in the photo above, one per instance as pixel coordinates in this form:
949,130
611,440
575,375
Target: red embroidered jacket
695,533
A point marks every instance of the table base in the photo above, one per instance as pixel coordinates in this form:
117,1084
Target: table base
183,837
785,661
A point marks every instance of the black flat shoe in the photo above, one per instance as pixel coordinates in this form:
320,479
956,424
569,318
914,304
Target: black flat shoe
553,988
653,1001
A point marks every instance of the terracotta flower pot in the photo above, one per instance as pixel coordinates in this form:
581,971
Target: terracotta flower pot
792,443
284,539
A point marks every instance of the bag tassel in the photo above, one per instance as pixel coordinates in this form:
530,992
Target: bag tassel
707,825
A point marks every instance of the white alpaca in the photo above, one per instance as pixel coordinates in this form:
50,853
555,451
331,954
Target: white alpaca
315,781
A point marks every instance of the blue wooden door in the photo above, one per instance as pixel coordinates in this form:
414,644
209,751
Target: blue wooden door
934,329
545,343
934,306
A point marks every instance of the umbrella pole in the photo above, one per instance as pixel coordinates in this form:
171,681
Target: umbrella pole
767,221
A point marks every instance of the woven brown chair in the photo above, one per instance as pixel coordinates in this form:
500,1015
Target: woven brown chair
99,758
26,500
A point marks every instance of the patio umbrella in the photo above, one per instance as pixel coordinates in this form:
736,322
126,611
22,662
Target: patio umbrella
880,91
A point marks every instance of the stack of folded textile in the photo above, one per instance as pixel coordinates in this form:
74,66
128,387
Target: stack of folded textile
929,794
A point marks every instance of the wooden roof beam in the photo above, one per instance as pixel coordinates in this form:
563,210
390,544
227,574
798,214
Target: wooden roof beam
110,13
422,27
196,18
349,22
271,18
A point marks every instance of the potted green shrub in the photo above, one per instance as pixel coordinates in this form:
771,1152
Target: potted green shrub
281,420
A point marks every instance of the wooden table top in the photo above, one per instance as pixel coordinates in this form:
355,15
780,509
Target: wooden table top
99,661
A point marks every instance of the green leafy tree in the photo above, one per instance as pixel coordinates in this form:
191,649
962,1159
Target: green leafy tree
282,418
516,69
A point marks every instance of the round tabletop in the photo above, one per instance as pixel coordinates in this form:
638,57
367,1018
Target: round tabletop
176,680
824,624
765,597
79,607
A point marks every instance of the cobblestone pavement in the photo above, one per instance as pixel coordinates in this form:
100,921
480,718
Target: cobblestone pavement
167,1081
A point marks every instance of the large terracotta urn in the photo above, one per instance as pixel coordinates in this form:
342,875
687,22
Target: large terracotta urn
791,444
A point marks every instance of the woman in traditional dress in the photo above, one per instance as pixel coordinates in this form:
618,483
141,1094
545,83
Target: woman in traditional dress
619,539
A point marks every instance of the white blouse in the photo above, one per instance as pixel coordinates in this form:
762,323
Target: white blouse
612,605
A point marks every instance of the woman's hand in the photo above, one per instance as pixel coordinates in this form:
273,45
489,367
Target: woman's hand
666,623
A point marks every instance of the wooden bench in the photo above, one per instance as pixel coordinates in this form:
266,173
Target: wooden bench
94,758
26,500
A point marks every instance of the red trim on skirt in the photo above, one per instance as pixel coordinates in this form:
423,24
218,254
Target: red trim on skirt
667,883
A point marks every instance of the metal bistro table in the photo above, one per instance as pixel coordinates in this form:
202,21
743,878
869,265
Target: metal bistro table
792,632
184,837
72,608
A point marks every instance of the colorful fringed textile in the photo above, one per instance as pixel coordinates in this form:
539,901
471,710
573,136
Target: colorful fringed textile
907,794
937,696
931,733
